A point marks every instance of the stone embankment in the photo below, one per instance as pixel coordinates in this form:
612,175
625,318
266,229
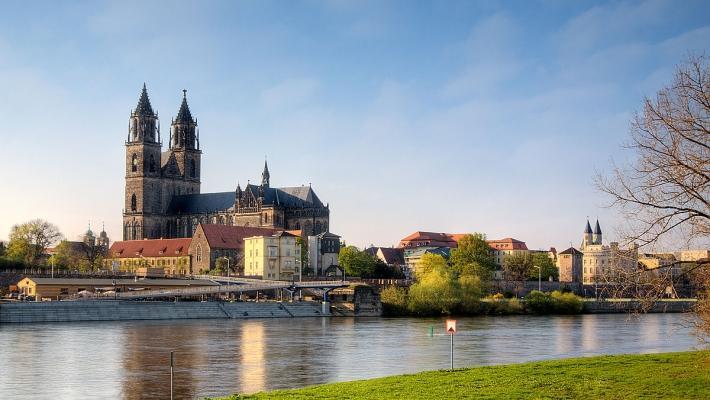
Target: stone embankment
631,305
107,310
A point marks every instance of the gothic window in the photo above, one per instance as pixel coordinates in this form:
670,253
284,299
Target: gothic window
134,203
298,226
152,163
318,227
221,219
230,220
199,253
134,163
193,168
266,218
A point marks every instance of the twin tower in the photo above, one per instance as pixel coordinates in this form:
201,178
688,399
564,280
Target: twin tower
153,177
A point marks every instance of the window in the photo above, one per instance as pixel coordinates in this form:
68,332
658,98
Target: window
199,253
193,168
152,163
134,203
134,163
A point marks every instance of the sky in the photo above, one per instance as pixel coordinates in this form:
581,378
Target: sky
455,116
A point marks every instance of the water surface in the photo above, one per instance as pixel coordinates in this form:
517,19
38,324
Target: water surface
130,360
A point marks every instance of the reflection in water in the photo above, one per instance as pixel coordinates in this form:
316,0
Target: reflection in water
253,361
130,360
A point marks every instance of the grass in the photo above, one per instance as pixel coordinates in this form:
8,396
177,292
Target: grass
649,376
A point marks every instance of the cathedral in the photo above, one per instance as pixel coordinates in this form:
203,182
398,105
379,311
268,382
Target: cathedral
163,199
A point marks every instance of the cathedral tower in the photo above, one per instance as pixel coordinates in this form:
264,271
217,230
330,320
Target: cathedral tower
183,163
143,172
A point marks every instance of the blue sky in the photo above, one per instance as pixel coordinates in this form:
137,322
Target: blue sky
441,116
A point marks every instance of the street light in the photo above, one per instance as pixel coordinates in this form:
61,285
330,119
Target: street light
539,278
228,281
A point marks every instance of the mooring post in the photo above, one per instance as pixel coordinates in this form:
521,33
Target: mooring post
171,375
452,351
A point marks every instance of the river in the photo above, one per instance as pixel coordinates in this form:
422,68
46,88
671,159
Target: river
130,360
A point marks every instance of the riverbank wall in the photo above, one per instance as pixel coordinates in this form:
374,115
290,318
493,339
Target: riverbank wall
108,310
631,305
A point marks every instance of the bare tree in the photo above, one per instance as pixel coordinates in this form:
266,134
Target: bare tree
665,190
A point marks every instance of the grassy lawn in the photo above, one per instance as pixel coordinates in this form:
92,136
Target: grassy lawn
650,376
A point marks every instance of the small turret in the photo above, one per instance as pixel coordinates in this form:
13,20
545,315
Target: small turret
265,176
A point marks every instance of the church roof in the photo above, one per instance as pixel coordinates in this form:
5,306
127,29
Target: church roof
588,228
231,237
144,108
597,229
572,251
290,197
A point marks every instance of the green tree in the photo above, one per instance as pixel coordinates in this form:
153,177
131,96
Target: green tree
548,268
518,266
473,256
394,301
356,262
470,292
436,290
430,262
305,268
30,240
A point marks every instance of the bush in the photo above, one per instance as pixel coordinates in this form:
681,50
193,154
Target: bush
567,303
497,305
394,301
497,296
508,294
537,302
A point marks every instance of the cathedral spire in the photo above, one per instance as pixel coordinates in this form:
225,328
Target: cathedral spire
265,176
144,108
184,114
183,132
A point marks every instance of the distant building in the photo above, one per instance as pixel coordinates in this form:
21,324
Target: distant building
599,260
276,257
429,239
170,255
323,251
693,255
211,242
506,247
569,263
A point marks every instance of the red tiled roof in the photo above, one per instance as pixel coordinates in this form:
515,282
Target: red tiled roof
150,248
232,237
507,244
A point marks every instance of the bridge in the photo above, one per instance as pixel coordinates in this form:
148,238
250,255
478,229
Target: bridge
227,285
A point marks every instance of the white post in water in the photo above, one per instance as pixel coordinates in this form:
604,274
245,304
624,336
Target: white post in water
451,329
171,375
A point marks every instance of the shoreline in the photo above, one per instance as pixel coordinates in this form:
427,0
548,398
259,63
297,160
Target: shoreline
124,310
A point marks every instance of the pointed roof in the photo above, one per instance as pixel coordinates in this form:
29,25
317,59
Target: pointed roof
184,114
265,175
588,228
144,108
597,229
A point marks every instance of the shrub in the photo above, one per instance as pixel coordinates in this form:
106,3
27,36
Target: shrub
567,303
497,296
537,302
508,294
394,301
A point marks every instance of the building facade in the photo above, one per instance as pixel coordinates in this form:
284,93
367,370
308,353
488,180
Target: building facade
276,257
600,260
323,252
169,255
162,193
569,263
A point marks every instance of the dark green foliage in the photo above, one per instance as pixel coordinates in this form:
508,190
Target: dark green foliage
537,302
356,263
394,301
473,257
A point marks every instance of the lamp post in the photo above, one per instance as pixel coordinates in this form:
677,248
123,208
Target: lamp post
539,278
228,281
